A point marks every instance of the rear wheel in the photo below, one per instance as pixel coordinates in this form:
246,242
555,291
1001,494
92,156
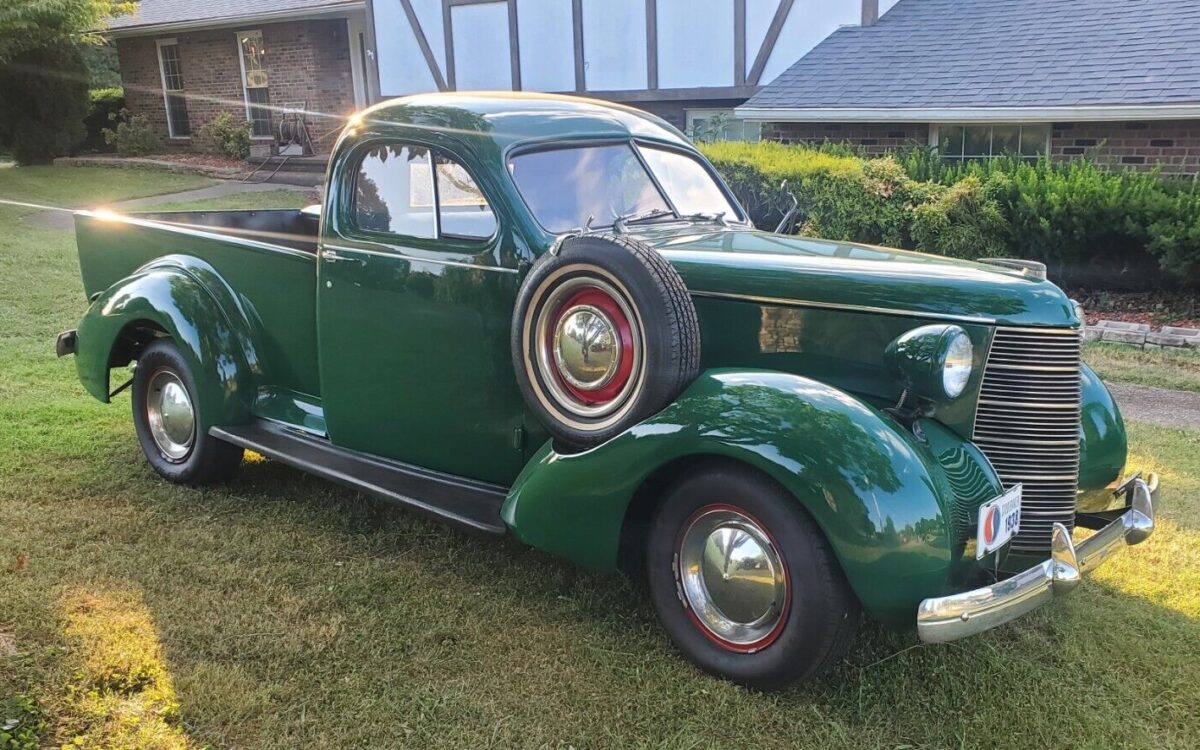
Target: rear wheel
744,582
168,423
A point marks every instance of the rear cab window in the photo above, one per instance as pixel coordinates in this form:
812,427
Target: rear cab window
412,191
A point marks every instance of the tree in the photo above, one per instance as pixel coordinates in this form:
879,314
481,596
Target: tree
29,24
43,100
43,76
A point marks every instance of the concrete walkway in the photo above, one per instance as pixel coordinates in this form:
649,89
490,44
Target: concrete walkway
63,220
1157,405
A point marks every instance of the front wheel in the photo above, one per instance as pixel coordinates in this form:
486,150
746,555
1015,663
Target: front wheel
744,582
168,423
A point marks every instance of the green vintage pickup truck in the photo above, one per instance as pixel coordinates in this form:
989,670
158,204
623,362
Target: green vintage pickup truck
549,317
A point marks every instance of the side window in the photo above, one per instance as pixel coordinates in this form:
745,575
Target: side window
393,191
462,209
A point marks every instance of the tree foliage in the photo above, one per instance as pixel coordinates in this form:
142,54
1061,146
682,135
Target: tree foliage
29,24
43,101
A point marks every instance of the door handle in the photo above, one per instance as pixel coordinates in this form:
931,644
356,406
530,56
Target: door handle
333,257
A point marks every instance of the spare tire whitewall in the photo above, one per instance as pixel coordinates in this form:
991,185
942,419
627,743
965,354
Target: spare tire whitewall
604,335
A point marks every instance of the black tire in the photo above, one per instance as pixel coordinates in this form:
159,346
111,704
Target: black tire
206,459
641,297
820,612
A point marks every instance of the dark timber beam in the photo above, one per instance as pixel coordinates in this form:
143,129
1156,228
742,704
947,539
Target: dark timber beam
423,43
652,44
764,52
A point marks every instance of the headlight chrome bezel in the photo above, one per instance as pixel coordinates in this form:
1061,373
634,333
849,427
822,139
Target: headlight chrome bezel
935,362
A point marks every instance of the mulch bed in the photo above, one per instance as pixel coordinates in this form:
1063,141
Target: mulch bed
1157,308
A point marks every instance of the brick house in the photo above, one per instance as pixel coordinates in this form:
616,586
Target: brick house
1118,82
184,61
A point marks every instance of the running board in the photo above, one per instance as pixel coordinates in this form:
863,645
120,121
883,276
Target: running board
462,502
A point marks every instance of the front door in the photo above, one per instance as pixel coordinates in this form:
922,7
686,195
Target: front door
414,305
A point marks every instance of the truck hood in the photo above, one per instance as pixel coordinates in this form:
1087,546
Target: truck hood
742,263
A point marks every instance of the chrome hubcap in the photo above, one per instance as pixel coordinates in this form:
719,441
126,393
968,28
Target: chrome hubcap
170,414
732,577
587,347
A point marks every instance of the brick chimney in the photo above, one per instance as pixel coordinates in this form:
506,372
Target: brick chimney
870,12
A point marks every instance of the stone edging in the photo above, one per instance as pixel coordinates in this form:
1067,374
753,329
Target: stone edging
157,165
1140,335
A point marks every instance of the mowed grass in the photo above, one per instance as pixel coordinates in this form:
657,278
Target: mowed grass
281,611
1157,368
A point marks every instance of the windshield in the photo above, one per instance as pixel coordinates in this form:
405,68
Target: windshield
564,187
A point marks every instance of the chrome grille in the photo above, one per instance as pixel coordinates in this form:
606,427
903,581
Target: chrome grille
1027,424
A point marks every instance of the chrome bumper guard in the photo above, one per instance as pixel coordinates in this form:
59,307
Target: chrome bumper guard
948,618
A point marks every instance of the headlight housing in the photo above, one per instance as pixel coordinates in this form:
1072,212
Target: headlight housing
934,361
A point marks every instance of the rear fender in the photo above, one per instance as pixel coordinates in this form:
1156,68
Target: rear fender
878,492
186,299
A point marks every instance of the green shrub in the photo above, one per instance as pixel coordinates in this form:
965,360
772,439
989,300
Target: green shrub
106,106
227,135
133,135
43,100
841,197
963,222
1089,225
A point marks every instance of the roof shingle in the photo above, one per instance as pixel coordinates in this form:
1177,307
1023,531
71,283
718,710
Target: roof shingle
160,12
1002,53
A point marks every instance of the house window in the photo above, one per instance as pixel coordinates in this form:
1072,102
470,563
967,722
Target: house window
171,72
254,83
966,142
720,125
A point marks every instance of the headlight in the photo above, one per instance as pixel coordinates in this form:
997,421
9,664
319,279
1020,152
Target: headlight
957,368
933,361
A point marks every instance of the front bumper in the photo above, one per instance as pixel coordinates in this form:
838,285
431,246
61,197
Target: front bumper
948,618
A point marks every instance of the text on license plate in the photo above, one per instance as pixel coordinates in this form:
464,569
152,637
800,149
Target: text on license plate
999,520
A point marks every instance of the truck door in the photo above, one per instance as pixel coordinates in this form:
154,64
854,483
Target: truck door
414,306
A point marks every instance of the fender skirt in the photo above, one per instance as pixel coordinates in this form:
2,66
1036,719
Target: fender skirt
169,294
896,508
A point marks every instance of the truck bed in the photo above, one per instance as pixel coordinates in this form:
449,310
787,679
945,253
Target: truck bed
267,259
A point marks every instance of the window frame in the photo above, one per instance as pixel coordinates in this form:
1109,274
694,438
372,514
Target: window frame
633,143
352,231
241,53
162,77
936,133
690,115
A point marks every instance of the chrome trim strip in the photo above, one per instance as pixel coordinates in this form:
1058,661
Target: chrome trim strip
948,618
189,230
838,306
396,252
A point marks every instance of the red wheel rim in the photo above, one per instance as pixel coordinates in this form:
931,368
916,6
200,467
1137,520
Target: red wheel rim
600,300
735,516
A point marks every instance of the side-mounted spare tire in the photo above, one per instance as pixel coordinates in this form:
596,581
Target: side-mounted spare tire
604,334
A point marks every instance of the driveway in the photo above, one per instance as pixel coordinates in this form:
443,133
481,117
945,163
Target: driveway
1157,405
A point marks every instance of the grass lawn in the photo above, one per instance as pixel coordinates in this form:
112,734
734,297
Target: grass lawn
281,611
1159,368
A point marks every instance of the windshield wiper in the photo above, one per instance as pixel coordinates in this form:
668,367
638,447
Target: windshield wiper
621,221
717,216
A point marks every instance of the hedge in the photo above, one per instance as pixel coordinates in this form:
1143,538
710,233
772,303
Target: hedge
104,109
1090,226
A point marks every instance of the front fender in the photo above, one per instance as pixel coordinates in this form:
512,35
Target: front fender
878,493
1103,446
170,296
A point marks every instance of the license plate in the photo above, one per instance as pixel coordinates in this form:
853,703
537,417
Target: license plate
999,520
